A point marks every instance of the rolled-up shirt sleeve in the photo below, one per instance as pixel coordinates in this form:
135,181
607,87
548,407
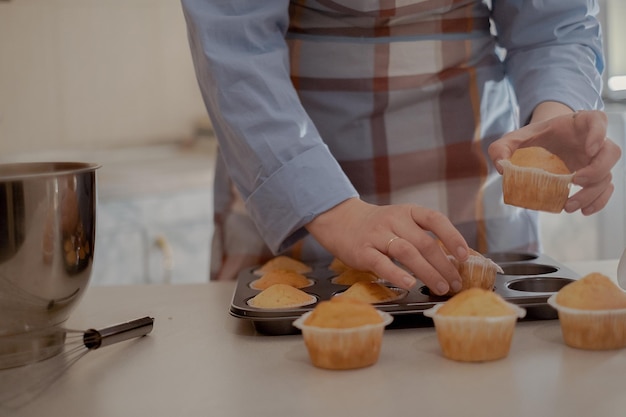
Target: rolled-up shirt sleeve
553,52
273,152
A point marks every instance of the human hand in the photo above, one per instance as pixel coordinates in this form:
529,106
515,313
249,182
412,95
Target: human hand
367,237
579,139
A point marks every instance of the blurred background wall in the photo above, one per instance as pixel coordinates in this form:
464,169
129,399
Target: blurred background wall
88,73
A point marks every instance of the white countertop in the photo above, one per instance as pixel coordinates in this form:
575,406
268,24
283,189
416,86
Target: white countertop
200,361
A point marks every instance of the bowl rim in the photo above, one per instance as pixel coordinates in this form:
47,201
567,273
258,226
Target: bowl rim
28,170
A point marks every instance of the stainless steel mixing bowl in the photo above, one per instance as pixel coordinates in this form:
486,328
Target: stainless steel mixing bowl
47,235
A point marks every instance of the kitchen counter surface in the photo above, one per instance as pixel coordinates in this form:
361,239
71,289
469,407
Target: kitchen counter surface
139,171
200,361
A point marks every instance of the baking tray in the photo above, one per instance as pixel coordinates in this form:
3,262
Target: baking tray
529,279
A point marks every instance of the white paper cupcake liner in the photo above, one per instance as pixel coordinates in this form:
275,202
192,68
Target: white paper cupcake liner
348,348
474,338
591,329
534,188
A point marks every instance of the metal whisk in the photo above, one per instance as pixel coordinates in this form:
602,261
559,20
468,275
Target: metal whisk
22,384
94,339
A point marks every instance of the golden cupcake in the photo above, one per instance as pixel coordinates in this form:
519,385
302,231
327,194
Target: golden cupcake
281,276
536,179
476,271
592,313
371,292
338,266
343,333
351,276
475,325
281,296
283,262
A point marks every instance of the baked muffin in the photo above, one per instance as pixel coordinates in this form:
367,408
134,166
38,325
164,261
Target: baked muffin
371,292
281,276
476,271
343,333
475,325
338,266
536,179
592,313
351,276
342,313
283,262
281,296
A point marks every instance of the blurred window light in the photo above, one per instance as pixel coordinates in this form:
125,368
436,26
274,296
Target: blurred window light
617,83
612,15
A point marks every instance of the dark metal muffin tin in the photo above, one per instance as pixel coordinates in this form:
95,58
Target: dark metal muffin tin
529,279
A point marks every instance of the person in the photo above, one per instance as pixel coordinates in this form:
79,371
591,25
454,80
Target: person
370,131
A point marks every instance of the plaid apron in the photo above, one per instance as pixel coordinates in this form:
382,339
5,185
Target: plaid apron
408,95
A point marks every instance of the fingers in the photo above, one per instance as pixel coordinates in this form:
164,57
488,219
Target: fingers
384,267
369,237
502,149
441,226
596,180
576,138
420,252
580,140
592,198
593,125
409,240
598,168
424,256
600,202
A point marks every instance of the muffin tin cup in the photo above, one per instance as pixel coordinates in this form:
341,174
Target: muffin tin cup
591,329
347,348
528,280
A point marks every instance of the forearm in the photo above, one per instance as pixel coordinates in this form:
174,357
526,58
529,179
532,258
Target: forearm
553,53
271,148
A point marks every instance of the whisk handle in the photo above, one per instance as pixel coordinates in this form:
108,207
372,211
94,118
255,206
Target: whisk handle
93,339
